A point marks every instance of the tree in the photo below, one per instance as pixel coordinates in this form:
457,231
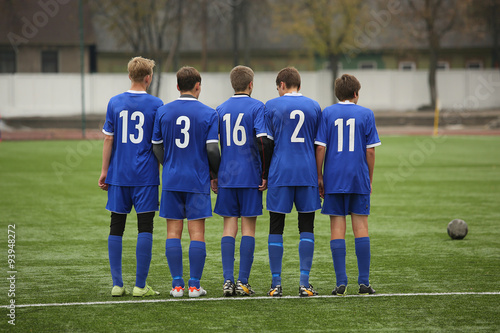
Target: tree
429,21
152,28
325,26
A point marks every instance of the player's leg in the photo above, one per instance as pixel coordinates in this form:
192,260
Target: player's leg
306,252
197,255
173,252
279,203
360,209
247,249
226,205
227,247
120,204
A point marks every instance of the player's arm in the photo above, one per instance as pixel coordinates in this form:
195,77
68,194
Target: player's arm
320,157
158,151
370,160
214,163
107,147
265,146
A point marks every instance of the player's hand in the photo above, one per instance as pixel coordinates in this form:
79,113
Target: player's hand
321,188
213,185
263,185
102,183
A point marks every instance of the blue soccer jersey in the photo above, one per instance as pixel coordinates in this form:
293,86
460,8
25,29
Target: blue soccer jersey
347,130
130,119
185,126
292,121
241,120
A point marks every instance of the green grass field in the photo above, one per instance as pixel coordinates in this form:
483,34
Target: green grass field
49,191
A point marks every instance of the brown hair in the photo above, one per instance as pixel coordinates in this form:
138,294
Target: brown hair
346,86
290,76
187,77
139,68
241,76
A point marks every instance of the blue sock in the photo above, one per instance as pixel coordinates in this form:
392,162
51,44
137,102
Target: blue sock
115,259
306,251
247,248
143,257
173,252
362,246
197,254
227,252
338,254
275,248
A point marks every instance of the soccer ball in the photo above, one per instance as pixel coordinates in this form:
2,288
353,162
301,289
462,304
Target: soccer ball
457,229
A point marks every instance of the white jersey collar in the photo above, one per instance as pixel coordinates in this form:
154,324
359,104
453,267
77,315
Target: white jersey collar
136,91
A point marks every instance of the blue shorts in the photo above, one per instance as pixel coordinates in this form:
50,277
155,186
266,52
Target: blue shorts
281,199
122,198
237,202
185,205
342,204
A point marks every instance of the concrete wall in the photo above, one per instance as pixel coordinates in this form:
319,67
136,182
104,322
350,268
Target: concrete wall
27,95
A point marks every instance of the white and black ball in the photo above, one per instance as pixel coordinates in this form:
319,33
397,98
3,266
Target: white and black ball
457,229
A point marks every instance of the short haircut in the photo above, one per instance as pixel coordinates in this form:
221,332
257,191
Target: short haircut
241,76
346,86
139,68
187,77
290,76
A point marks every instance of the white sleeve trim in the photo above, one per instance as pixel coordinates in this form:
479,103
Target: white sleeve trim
212,141
374,145
156,142
261,134
107,133
270,137
319,143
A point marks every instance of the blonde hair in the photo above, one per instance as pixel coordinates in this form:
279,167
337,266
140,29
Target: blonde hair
139,68
241,76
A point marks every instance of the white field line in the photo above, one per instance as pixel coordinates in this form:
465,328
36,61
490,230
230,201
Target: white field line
228,299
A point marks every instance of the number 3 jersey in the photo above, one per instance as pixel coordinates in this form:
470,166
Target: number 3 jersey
347,130
185,126
292,121
241,120
130,119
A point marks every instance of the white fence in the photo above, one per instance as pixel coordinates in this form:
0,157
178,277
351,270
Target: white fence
26,95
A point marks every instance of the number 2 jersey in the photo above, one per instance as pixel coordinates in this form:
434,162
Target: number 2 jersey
241,120
347,130
130,119
292,121
185,126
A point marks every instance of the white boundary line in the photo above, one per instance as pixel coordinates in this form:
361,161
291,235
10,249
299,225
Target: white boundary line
243,299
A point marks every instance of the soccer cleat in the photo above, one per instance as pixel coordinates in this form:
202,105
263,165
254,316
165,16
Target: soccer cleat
275,291
307,291
228,288
366,290
177,291
340,290
196,292
144,292
243,289
119,291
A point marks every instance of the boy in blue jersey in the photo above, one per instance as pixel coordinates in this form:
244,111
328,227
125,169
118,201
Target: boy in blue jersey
130,173
292,121
348,136
242,176
186,142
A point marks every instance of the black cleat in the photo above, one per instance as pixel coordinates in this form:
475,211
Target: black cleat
340,290
366,290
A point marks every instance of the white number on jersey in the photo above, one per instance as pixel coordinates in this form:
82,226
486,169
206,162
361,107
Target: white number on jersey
237,129
184,131
340,123
138,126
299,125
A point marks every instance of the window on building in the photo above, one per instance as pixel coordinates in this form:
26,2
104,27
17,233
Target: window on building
367,65
7,61
50,62
474,64
407,66
443,65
